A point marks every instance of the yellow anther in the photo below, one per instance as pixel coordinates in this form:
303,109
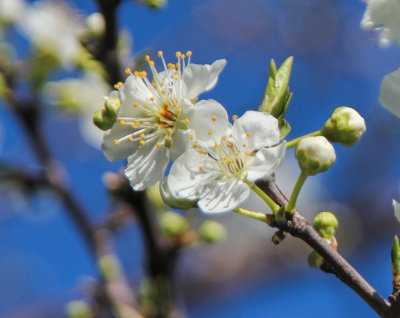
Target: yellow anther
178,65
122,122
213,118
143,73
202,151
147,124
115,142
128,70
147,57
133,125
142,142
224,137
195,145
179,110
130,138
201,167
234,117
178,54
151,98
142,135
153,84
160,53
118,85
229,161
136,73
247,153
168,138
158,144
186,121
163,91
210,132
171,66
176,78
169,130
135,104
182,56
248,134
189,53
151,63
191,137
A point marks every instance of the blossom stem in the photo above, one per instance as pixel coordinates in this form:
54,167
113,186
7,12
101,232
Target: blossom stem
295,141
290,207
254,215
273,206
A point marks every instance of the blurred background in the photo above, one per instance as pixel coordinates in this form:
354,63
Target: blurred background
43,260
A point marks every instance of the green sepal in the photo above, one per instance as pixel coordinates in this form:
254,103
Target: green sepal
102,121
112,105
395,256
284,128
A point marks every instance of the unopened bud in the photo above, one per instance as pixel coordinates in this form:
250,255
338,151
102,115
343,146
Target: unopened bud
345,126
172,201
78,309
211,231
315,260
96,24
173,223
315,154
325,223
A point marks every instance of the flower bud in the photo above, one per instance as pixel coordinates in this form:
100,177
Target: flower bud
315,260
109,266
172,201
173,223
78,309
96,24
315,154
325,223
345,126
211,231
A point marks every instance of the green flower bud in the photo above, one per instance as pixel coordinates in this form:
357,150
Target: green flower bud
345,126
109,266
173,202
101,121
155,4
211,231
78,309
173,223
315,260
315,154
395,263
325,223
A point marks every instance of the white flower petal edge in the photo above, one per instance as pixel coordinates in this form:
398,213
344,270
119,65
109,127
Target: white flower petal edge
218,176
396,206
161,114
390,92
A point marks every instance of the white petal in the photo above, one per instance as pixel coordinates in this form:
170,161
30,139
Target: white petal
133,91
180,142
266,161
208,116
198,78
396,206
223,195
124,148
255,130
185,179
146,167
390,92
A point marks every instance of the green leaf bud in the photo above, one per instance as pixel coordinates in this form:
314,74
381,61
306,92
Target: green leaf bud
395,263
155,4
78,309
315,155
325,223
101,121
315,260
211,231
345,126
109,266
172,201
173,223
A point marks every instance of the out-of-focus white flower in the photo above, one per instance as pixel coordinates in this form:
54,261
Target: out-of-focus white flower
11,10
86,96
383,15
53,27
396,207
219,176
158,120
390,92
96,23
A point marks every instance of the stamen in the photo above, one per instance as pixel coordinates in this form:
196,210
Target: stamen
130,138
234,117
248,134
158,144
186,121
214,118
128,70
115,142
142,142
135,104
118,85
160,53
168,138
191,136
202,151
122,122
210,132
201,167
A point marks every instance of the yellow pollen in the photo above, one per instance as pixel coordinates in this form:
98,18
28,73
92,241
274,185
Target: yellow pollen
128,70
151,63
169,130
143,73
151,98
179,110
122,122
202,151
160,53
136,73
186,121
133,125
224,137
118,85
142,135
142,142
182,56
247,153
201,167
191,137
248,134
229,161
171,66
234,117
178,54
130,138
178,65
210,132
153,84
163,91
175,78
158,144
189,53
214,118
195,145
147,58
135,104
115,142
168,138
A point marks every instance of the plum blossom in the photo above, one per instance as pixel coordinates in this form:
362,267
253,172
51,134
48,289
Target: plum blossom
390,92
384,16
220,176
159,119
11,10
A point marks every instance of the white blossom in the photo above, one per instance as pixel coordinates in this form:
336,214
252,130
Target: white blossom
11,10
384,16
53,27
219,176
390,92
158,120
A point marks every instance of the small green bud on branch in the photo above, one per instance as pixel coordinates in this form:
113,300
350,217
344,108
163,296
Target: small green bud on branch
325,223
78,309
211,231
395,264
